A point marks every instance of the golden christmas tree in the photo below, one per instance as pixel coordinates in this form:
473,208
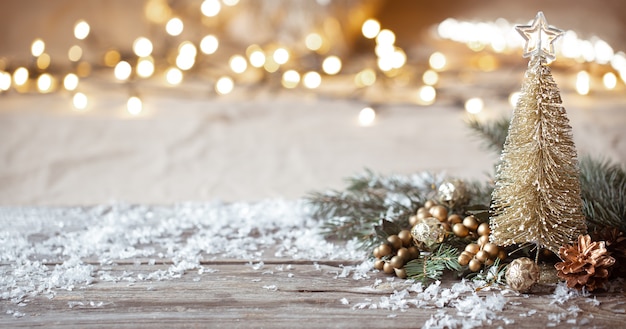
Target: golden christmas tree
537,198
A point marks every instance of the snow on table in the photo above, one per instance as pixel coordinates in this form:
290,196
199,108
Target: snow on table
243,264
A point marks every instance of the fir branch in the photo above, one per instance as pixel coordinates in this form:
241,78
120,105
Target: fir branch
432,265
494,133
603,187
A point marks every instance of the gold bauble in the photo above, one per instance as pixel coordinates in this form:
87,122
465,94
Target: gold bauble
405,236
475,265
454,218
460,230
522,274
453,193
471,223
440,212
428,231
394,241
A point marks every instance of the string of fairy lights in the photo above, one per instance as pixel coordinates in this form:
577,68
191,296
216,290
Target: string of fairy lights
284,61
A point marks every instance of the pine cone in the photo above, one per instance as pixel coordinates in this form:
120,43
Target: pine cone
616,246
585,264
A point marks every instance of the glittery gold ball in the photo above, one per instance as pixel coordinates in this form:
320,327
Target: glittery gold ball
453,193
522,274
428,231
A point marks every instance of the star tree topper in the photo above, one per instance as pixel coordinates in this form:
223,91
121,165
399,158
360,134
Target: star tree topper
539,38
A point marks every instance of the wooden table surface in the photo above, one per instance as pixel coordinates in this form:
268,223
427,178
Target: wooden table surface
270,286
283,294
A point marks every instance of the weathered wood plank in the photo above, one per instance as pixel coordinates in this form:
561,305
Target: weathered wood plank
277,295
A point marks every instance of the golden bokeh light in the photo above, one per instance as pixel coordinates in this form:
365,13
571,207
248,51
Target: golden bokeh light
81,30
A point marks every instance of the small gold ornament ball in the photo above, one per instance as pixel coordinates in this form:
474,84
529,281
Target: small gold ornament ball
471,223
378,264
483,229
405,236
429,203
387,268
428,231
472,248
453,193
400,272
454,218
464,258
384,250
394,241
522,274
474,265
460,230
440,212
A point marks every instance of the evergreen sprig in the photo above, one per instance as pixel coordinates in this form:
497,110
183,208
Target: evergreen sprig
431,266
603,187
369,197
492,133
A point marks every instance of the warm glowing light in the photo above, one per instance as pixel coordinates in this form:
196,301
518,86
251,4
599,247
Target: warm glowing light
238,63
582,83
81,30
5,80
83,69
290,79
75,53
603,51
270,64
134,105
437,61
385,37
384,50
427,95
112,57
257,58
366,117
43,61
20,76
331,65
38,47
514,98
474,105
370,28
70,82
145,67
398,58
312,80
281,56
45,83
174,27
122,70
385,63
224,85
610,80
186,55
80,101
209,44
230,2
185,62
174,76
430,77
142,47
313,41
187,49
210,8
366,77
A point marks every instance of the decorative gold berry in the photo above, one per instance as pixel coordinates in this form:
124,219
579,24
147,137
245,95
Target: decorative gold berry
454,218
471,223
378,264
394,241
460,230
405,237
384,250
483,229
388,268
472,248
439,212
474,265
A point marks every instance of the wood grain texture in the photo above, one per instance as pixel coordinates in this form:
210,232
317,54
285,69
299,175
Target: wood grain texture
304,295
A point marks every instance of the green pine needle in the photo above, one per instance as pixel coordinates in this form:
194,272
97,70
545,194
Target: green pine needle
493,133
430,266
